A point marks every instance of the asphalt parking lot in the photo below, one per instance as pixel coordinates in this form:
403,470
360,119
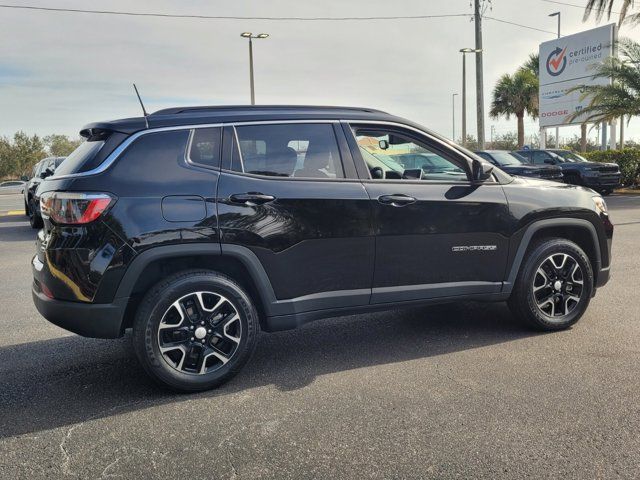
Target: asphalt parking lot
452,391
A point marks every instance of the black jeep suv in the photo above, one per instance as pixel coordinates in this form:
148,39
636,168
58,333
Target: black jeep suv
514,164
577,170
198,227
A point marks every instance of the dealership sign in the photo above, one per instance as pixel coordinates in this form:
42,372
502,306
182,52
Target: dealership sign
567,63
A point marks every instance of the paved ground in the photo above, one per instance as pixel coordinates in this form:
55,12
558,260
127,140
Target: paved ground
456,391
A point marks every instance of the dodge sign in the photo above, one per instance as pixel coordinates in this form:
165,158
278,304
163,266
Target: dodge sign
570,62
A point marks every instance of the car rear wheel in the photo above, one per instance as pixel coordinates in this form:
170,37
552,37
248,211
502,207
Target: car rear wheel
195,330
554,286
606,191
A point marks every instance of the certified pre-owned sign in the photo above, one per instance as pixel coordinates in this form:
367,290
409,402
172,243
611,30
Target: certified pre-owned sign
569,62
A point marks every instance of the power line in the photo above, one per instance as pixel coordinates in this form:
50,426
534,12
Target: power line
234,17
226,17
581,7
520,25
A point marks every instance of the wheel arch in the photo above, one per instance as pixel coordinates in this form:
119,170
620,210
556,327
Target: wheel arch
580,231
239,263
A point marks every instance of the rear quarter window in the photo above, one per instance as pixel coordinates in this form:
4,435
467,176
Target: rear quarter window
85,152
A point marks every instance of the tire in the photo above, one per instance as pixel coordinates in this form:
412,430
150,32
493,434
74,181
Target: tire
35,220
26,209
606,191
172,303
533,299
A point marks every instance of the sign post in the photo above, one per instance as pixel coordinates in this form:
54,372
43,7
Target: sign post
566,63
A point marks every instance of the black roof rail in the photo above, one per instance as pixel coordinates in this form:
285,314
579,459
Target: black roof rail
219,108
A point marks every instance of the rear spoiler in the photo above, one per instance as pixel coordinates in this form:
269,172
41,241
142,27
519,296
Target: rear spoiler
94,134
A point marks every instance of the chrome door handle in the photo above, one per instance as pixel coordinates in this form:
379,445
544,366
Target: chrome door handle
396,200
251,198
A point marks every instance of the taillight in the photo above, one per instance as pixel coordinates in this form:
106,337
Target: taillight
73,208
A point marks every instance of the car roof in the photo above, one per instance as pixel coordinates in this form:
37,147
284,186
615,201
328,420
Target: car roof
184,116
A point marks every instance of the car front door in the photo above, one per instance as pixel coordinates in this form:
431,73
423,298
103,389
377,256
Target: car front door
289,199
437,233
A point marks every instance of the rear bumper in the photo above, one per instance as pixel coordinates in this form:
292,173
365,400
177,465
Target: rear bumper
87,319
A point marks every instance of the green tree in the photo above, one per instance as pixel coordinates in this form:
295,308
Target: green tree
26,151
620,97
532,64
601,7
61,145
470,143
517,95
508,141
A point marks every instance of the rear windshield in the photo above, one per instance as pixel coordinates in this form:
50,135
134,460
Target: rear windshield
84,153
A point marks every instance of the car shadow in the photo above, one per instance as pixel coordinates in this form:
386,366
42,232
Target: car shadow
64,381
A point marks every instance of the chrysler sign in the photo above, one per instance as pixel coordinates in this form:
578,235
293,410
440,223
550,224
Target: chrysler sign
570,62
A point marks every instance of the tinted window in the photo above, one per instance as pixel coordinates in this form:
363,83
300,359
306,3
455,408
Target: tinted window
390,155
540,157
505,159
289,150
205,146
85,152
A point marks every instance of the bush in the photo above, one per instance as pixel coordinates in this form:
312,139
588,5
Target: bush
628,159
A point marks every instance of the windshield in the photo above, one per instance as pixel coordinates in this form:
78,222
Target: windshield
570,156
505,159
380,160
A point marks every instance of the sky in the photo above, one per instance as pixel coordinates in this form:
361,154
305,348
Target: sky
59,71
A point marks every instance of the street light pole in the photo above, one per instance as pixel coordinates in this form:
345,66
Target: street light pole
557,14
453,116
251,36
477,16
464,52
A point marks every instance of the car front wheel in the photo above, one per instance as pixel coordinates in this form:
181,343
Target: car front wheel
554,286
195,330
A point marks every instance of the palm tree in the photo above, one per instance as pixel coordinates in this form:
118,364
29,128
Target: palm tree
517,95
532,64
622,96
600,7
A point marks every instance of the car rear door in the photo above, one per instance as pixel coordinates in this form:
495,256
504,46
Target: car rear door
437,235
289,199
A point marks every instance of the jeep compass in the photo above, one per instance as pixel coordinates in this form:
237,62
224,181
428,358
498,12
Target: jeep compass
198,227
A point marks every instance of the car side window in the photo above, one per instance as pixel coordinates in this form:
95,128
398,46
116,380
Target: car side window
390,154
204,148
288,150
540,157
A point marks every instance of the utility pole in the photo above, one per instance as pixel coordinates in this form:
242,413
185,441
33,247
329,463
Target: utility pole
479,76
453,116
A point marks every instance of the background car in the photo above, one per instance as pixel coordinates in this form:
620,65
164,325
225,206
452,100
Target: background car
577,170
514,164
12,186
41,170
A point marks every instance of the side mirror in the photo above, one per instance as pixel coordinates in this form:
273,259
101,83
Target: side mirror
383,144
47,173
24,178
481,171
377,173
550,161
